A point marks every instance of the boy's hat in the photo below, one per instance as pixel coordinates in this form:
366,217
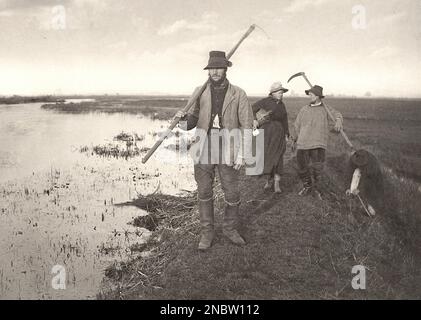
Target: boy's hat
317,90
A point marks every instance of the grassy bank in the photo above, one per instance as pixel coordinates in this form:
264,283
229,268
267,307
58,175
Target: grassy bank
298,248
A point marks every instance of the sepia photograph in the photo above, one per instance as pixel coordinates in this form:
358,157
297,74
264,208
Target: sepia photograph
213,150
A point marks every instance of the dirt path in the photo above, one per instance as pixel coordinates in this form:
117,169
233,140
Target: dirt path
297,248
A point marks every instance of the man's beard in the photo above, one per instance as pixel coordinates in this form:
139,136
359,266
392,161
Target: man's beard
218,82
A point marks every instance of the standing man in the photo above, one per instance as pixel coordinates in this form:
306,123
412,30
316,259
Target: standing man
221,113
310,140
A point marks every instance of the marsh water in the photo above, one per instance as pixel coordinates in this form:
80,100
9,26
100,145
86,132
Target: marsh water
58,206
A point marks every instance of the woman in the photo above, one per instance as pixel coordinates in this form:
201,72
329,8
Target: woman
270,115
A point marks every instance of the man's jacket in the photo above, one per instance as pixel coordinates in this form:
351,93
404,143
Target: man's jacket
237,115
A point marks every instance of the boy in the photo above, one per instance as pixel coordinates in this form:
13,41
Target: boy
310,140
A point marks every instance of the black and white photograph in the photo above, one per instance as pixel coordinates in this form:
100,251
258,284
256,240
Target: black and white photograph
213,150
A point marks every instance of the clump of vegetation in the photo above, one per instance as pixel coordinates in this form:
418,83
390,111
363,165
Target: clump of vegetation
107,249
138,247
84,149
127,137
115,151
170,210
116,270
149,222
125,147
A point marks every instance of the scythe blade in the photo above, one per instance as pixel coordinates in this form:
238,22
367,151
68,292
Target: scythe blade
295,75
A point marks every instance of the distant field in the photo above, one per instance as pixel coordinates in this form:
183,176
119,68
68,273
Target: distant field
26,99
390,128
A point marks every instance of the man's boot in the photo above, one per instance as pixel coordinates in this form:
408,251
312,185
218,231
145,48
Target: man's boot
305,177
317,176
230,221
207,224
268,184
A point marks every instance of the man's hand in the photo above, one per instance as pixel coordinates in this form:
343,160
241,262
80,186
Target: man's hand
255,124
180,114
338,126
355,192
239,163
293,142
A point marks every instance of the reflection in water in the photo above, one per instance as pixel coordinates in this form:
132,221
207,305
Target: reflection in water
57,204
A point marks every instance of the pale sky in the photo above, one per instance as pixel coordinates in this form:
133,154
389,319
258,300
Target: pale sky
161,47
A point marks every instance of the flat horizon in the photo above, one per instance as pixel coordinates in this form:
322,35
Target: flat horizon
181,95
